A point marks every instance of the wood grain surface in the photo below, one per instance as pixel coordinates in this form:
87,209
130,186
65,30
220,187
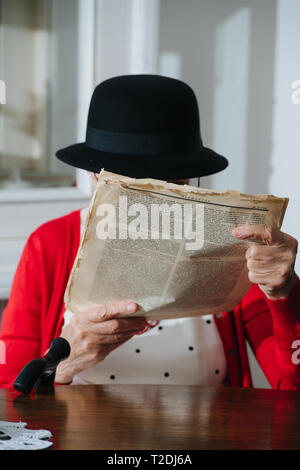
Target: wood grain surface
159,417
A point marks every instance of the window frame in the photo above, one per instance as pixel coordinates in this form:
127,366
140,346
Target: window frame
59,201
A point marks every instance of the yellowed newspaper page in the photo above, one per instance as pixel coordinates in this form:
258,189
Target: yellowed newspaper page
167,247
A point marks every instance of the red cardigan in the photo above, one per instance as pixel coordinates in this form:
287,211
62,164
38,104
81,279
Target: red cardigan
34,314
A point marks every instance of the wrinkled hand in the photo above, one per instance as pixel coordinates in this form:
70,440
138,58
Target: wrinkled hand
93,334
271,263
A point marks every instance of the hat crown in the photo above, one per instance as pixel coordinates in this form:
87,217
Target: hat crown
144,126
143,104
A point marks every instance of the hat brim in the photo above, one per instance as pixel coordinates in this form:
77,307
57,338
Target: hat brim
164,167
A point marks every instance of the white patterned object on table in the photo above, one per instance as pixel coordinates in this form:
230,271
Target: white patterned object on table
14,436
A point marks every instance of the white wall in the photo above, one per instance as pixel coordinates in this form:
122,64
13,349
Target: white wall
225,51
69,24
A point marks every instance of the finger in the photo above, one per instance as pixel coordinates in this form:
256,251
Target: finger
274,283
95,344
262,252
260,266
273,255
257,278
261,233
116,338
114,346
121,325
109,311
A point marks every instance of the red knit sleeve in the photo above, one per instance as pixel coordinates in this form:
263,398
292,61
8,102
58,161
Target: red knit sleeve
21,323
273,331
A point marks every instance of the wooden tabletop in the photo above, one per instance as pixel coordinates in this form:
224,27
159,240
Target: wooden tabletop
159,417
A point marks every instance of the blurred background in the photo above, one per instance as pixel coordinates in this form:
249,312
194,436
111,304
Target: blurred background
241,57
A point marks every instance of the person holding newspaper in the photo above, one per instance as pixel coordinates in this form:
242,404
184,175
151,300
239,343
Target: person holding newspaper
147,126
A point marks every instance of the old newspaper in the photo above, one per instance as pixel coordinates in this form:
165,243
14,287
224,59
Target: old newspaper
167,247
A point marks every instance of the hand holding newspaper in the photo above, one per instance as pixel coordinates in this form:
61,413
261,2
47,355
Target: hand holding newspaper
167,247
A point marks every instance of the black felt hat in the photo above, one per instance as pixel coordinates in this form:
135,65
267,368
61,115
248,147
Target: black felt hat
144,126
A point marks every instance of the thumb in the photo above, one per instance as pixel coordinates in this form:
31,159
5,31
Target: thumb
260,233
